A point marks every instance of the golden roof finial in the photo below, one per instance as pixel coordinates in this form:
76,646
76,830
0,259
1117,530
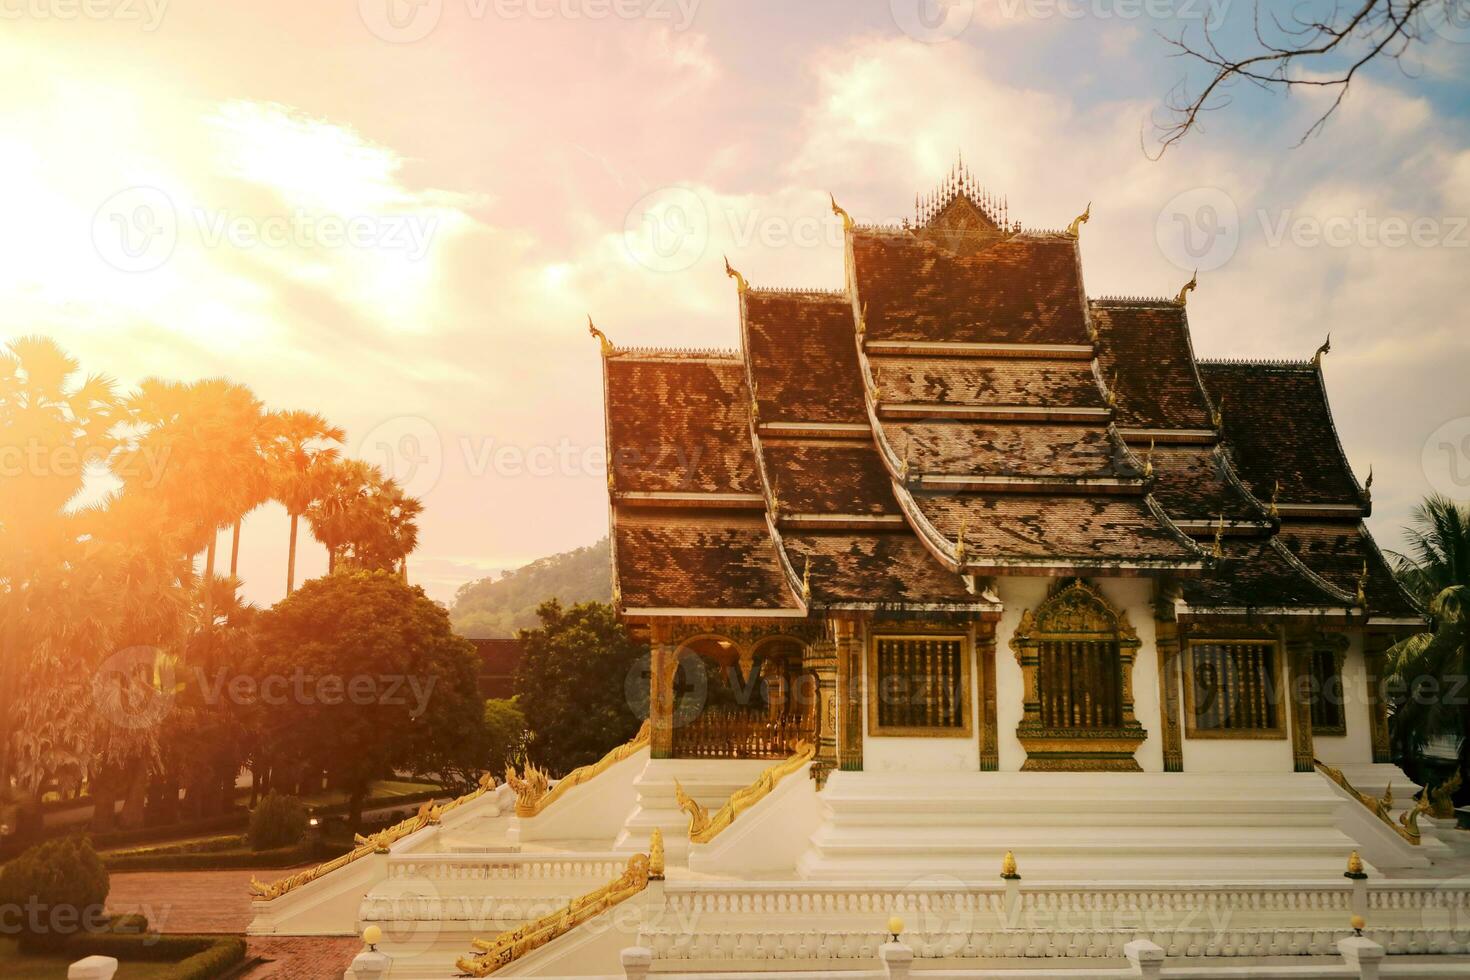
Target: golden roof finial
1362,596
1113,390
1326,348
1008,866
1148,461
903,468
1075,228
862,323
740,282
755,405
1218,416
775,499
1188,288
1368,483
1274,510
806,581
846,218
1219,550
607,347
656,855
960,549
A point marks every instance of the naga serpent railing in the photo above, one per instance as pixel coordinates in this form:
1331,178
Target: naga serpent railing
378,843
1407,826
533,789
703,827
511,946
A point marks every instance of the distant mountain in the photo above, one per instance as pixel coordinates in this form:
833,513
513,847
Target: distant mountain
496,607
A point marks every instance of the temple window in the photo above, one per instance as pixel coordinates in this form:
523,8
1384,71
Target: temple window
921,686
1232,689
1081,684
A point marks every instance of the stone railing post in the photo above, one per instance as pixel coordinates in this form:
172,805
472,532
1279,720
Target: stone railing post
897,958
1146,958
637,961
1361,954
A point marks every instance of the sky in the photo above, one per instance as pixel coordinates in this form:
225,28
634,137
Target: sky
400,213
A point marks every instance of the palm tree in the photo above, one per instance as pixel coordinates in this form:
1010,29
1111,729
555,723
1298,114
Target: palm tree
58,426
1436,571
297,460
338,516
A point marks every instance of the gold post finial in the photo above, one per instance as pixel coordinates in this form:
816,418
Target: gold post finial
1219,550
1148,461
806,581
1188,288
846,218
1355,864
656,855
740,282
607,347
1326,348
1357,922
1075,228
1008,867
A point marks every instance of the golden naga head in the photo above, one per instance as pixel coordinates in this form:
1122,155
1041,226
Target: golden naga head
1075,228
1189,287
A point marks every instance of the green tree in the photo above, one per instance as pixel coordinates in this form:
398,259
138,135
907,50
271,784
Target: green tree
364,519
1436,571
498,607
505,734
575,670
375,682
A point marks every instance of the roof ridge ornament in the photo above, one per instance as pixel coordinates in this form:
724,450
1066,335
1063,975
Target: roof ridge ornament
607,346
806,581
1326,348
1218,415
960,550
846,218
1188,288
1275,510
1148,461
1362,596
740,282
1219,551
1368,484
1075,228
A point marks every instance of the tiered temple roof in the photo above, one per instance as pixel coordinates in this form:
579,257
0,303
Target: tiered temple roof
959,411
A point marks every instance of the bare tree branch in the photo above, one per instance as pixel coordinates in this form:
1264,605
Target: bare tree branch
1311,50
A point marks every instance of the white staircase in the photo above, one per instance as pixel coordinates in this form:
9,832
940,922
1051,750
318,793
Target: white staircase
708,781
1079,826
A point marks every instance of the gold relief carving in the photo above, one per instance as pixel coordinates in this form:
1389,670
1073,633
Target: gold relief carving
1408,829
703,827
850,692
511,946
429,815
1166,641
1298,653
1374,645
1077,615
984,641
533,795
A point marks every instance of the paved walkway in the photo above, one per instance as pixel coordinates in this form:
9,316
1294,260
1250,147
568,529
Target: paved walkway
219,902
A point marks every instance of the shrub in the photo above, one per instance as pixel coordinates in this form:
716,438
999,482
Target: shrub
276,821
53,891
190,957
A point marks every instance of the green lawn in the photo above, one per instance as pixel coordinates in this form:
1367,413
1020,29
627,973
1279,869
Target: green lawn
14,966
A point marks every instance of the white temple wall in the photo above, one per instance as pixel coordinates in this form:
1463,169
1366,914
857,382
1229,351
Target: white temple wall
1018,595
1135,597
1357,745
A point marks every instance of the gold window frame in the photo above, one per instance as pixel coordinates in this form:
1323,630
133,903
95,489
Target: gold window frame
875,682
1192,731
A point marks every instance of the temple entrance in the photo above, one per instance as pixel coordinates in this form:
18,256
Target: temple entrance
742,703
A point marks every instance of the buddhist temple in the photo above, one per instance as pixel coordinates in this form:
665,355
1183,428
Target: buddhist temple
987,625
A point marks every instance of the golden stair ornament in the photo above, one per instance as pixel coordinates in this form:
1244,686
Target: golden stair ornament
429,815
538,797
703,827
510,946
1408,825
